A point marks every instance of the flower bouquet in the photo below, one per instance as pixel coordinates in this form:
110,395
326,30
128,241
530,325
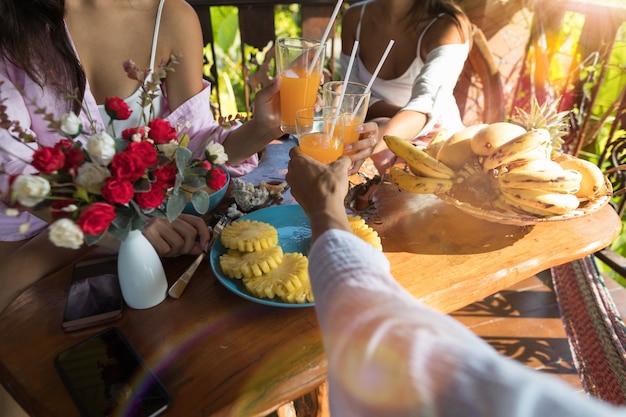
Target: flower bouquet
95,182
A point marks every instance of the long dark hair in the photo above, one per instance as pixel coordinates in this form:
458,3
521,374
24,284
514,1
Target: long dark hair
33,37
425,9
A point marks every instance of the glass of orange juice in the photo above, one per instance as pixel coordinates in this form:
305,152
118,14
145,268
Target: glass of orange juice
300,62
354,105
320,132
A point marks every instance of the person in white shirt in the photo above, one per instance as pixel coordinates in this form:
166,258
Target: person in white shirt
389,354
413,94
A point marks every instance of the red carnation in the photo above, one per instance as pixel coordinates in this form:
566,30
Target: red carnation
48,160
64,143
117,191
217,179
145,151
127,134
96,218
116,108
165,176
152,198
127,166
73,160
161,131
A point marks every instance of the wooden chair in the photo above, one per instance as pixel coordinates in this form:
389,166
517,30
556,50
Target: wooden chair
479,91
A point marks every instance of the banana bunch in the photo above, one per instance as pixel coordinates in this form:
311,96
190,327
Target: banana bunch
428,175
501,166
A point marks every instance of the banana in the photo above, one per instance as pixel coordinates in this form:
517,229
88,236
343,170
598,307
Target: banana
530,145
505,204
543,165
417,159
592,178
435,144
533,199
419,185
566,181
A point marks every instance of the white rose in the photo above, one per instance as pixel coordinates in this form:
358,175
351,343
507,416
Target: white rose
70,124
216,149
101,148
92,176
168,149
66,234
30,190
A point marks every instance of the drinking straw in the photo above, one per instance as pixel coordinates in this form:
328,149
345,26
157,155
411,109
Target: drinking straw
325,35
375,74
344,86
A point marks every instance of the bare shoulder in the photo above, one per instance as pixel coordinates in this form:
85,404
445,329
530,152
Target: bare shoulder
180,20
445,31
180,27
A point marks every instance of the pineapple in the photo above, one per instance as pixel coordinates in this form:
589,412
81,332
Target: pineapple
249,236
365,232
544,117
237,264
288,282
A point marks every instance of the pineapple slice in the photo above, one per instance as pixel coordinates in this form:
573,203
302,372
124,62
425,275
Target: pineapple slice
289,281
237,264
365,232
249,236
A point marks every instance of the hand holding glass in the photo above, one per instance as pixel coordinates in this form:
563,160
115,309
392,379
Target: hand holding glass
320,133
300,77
356,94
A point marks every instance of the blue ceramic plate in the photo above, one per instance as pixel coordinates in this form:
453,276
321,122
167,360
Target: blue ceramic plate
294,235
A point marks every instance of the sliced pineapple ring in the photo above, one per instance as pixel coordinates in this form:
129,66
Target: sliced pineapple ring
237,264
249,236
289,281
365,232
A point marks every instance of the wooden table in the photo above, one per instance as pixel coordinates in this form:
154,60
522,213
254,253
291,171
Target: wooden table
221,355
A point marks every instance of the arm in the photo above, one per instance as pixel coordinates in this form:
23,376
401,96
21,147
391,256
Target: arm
389,354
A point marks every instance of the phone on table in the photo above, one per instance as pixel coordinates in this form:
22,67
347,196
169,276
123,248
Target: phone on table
94,296
106,377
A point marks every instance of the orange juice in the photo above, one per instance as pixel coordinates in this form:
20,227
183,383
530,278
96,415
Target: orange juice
320,146
349,135
297,91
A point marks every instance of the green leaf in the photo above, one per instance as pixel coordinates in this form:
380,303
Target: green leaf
200,201
195,182
175,205
183,155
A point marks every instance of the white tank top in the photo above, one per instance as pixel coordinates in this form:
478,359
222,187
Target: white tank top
134,100
396,91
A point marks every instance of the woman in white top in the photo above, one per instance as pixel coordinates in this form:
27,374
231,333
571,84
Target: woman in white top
412,96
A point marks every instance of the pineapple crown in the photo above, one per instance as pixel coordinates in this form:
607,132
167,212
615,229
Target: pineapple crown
546,117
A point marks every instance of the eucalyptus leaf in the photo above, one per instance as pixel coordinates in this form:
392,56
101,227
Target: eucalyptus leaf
175,205
183,155
200,201
141,185
195,182
92,239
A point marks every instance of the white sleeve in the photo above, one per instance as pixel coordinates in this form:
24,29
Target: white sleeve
390,355
436,82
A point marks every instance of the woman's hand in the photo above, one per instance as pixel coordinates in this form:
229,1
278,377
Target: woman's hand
362,148
187,234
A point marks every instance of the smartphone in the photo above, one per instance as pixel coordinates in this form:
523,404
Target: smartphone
94,296
106,377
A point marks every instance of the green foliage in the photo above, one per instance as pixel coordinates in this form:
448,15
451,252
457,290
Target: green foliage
227,59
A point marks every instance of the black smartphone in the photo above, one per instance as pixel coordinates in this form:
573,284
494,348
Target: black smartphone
106,377
94,296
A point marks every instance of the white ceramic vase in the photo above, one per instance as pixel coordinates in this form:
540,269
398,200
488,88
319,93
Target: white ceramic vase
141,273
